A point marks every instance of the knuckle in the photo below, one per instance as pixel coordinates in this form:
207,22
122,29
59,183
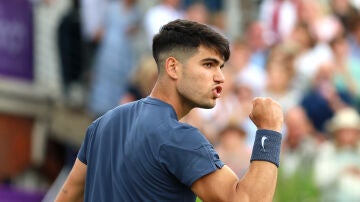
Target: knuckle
270,100
256,99
259,100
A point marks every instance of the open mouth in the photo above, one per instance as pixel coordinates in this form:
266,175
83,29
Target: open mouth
217,91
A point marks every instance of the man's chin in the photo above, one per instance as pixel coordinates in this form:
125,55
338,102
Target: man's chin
208,105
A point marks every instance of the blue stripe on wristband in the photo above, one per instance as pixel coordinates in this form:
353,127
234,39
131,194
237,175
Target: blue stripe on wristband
267,146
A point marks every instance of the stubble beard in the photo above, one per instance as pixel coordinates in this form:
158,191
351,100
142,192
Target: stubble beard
208,104
201,103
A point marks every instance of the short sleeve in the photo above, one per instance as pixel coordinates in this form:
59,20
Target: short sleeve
190,159
83,151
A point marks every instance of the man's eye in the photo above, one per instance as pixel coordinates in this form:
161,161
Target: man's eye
208,65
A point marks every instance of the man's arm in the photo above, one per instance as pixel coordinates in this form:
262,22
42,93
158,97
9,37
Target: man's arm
73,188
259,182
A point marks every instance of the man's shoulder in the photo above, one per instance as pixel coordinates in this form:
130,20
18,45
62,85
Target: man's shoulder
186,135
124,108
121,112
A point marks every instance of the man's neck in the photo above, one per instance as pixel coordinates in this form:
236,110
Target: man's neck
170,96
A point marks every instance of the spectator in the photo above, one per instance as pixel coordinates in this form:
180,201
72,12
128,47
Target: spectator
323,99
218,21
115,57
233,150
142,80
245,71
160,14
254,35
197,12
70,50
310,53
317,16
280,78
300,143
346,71
337,167
343,10
279,18
92,15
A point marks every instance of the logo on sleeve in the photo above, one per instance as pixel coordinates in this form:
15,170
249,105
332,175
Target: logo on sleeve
263,142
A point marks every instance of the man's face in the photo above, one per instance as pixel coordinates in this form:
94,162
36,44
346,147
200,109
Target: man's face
201,79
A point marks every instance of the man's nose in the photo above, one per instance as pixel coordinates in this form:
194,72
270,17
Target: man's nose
219,76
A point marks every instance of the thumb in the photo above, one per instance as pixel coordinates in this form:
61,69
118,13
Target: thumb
251,116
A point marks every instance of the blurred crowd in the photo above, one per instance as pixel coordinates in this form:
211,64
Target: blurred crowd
305,54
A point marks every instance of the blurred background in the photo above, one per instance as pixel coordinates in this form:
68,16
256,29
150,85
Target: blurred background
65,63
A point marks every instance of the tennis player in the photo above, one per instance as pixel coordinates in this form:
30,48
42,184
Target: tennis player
141,152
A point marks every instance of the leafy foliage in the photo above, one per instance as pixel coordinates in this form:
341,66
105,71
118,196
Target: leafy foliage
299,187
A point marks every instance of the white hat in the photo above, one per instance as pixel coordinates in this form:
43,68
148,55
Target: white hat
345,118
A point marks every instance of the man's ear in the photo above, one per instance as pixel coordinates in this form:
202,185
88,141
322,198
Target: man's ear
172,67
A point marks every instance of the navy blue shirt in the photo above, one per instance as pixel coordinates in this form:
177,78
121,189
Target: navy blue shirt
141,152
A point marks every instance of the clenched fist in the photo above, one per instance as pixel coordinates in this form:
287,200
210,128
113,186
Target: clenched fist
267,114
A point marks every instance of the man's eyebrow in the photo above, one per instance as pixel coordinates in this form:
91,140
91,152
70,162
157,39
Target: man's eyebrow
213,60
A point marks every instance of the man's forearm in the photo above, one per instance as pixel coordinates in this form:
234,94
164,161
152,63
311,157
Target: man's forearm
73,188
259,183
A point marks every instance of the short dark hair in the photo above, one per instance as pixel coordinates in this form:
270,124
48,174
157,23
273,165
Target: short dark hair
185,37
